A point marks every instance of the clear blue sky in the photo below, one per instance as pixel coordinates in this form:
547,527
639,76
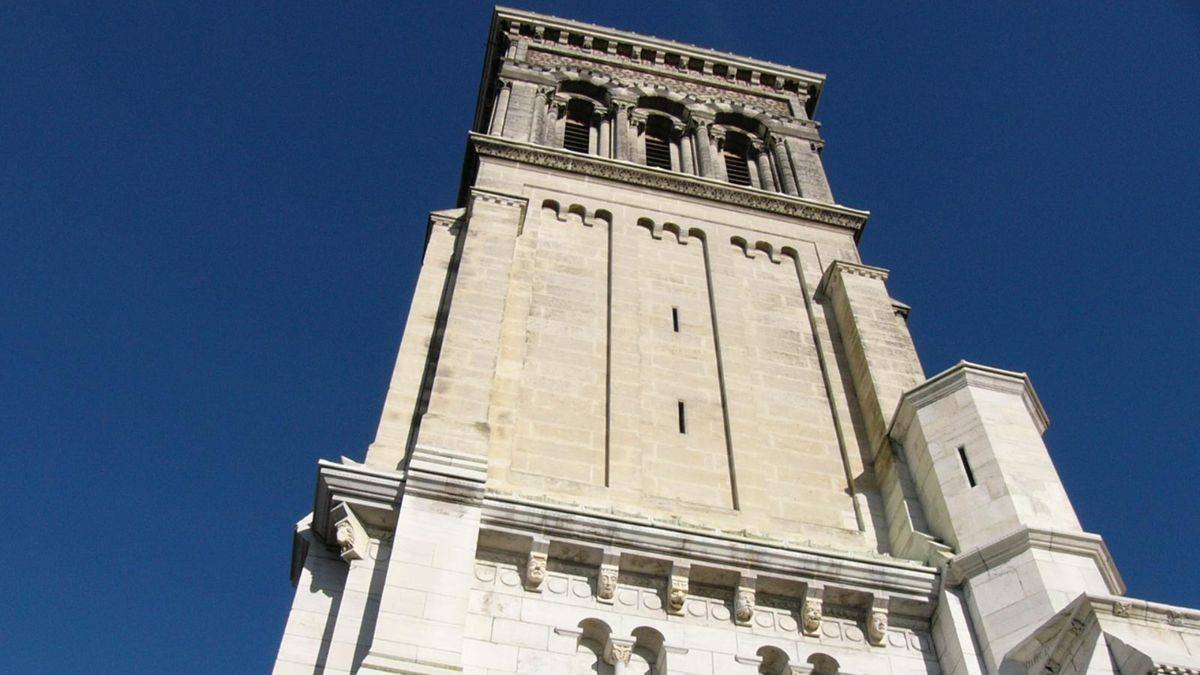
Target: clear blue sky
213,217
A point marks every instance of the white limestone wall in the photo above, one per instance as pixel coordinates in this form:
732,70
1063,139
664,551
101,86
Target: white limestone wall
586,413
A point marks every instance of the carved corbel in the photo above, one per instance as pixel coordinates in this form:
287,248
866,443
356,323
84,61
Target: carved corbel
813,611
877,621
743,601
677,589
535,565
606,581
349,534
617,651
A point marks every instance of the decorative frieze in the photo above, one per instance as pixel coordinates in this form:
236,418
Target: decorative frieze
696,186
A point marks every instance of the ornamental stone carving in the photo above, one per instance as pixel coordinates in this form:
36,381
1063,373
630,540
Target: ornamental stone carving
1122,607
812,616
345,536
677,594
535,572
743,605
606,583
877,627
617,651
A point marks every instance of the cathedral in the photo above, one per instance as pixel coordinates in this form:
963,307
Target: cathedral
652,413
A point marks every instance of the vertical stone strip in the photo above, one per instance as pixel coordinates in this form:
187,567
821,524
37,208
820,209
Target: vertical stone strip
457,414
823,362
608,360
712,307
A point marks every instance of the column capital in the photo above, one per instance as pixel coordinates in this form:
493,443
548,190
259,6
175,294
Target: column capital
618,650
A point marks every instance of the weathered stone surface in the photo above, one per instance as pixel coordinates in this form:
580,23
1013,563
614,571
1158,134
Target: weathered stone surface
652,414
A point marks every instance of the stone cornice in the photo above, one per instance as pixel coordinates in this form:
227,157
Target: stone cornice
894,577
961,375
810,81
985,557
840,217
373,494
839,267
1053,643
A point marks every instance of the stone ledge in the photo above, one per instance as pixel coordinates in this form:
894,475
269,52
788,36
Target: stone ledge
988,556
834,215
896,578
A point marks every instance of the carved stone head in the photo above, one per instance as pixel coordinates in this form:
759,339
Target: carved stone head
877,627
743,606
535,570
345,535
678,594
607,583
812,616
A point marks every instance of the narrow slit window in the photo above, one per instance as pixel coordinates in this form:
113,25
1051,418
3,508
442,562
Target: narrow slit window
675,318
682,419
962,454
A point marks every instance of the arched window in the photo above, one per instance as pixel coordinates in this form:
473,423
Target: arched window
658,142
577,132
736,153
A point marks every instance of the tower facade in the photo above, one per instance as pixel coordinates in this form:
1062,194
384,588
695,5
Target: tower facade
652,413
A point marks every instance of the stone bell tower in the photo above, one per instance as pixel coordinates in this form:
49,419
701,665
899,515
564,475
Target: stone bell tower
651,413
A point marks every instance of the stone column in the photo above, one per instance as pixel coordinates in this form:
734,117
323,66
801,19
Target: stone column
703,146
787,177
686,158
621,130
766,180
637,129
605,149
716,137
500,109
594,131
676,156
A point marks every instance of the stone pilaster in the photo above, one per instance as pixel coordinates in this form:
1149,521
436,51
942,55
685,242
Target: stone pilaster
878,347
457,414
400,406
